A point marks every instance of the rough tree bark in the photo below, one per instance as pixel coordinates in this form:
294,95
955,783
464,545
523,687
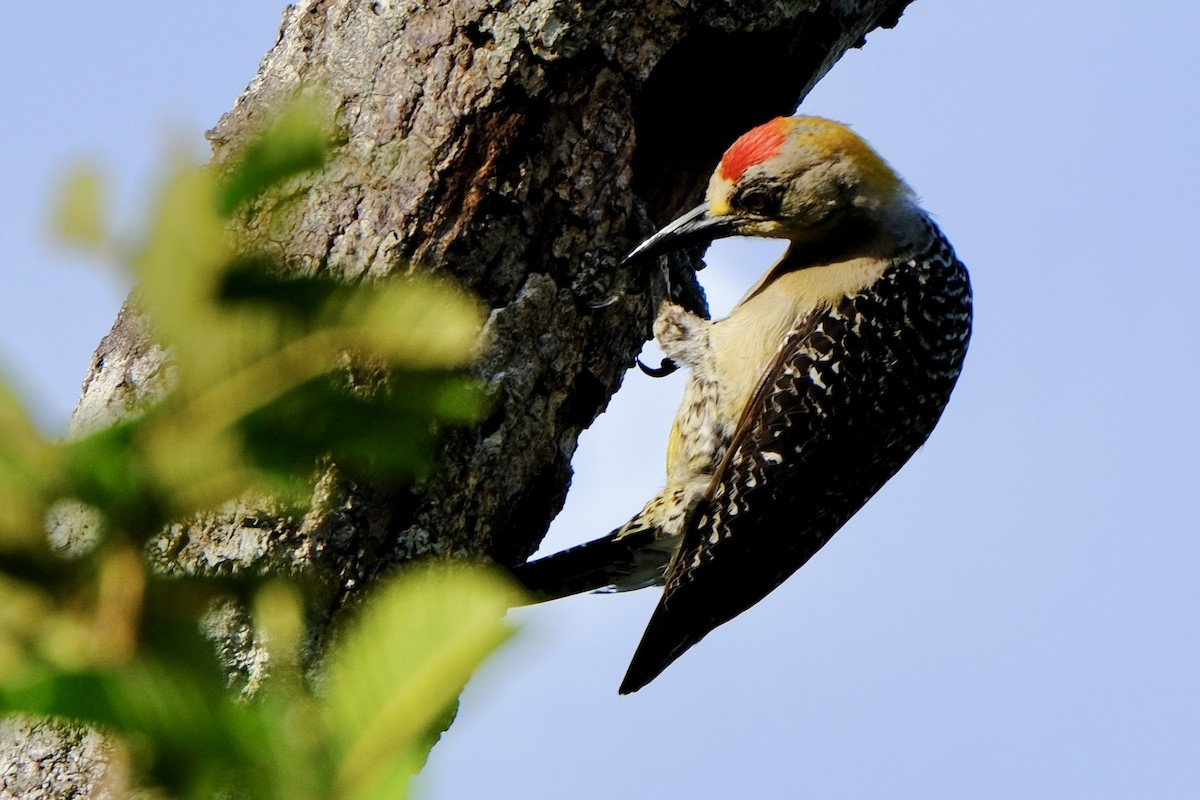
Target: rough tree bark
521,147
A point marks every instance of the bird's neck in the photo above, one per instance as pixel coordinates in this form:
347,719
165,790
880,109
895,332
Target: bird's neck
819,271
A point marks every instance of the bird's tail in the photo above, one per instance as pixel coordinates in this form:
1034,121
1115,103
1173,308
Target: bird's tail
611,563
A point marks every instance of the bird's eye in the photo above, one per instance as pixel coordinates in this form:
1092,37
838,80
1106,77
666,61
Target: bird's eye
759,200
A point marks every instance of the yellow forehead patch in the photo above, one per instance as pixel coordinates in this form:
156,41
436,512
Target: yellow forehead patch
717,195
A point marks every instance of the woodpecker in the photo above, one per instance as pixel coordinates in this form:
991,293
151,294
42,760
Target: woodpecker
812,393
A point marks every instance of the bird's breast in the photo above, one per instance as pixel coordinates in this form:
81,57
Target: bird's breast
748,339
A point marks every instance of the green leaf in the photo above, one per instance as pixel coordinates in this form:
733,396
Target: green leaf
79,218
382,434
177,728
295,142
419,323
108,471
254,281
29,472
179,270
186,732
402,664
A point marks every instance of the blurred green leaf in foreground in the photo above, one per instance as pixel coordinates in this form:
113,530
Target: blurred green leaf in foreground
260,393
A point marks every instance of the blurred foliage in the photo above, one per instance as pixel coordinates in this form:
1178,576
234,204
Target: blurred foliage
261,393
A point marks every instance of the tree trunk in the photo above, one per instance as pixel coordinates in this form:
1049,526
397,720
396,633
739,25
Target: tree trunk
522,148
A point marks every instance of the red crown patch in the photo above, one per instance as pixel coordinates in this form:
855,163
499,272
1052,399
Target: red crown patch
753,147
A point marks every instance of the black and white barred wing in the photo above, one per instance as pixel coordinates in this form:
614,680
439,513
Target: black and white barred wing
744,541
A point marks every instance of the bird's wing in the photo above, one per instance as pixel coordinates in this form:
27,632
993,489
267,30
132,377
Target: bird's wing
796,439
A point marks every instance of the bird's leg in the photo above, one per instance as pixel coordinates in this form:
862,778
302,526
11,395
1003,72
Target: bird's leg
684,337
700,435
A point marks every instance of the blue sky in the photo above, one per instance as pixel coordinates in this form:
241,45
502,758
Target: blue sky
1015,614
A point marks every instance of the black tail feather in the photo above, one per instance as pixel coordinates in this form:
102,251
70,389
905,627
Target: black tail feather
596,565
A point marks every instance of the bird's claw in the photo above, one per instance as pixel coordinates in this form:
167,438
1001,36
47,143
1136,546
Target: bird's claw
661,371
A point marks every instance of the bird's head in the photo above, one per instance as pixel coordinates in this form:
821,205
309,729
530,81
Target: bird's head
796,178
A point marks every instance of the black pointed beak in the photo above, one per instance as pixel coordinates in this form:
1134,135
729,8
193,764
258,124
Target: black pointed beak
694,227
